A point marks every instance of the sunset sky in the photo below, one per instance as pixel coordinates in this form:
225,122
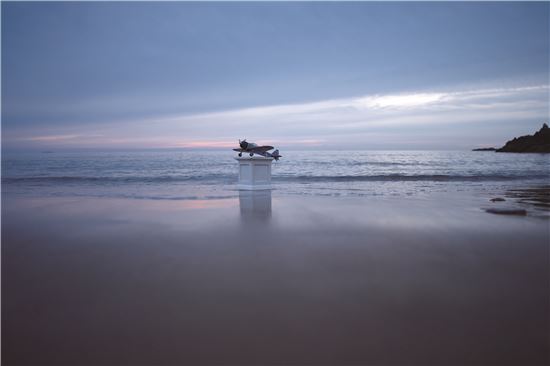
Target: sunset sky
297,75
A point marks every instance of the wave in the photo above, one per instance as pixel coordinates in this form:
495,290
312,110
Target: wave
413,178
224,179
377,163
131,179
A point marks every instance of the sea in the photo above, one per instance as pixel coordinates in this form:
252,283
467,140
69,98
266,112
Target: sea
192,174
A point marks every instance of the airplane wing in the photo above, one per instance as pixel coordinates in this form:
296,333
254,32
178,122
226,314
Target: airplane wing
260,149
238,150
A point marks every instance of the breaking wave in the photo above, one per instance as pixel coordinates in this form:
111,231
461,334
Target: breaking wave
224,179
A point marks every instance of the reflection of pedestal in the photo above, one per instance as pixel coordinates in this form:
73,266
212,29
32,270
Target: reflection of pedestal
256,205
254,172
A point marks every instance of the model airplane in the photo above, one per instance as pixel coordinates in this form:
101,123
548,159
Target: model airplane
252,148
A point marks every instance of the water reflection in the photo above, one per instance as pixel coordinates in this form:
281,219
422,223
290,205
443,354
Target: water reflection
255,205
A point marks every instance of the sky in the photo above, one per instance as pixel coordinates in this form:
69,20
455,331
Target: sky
323,75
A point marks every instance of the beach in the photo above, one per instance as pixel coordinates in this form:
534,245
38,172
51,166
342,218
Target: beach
273,278
279,183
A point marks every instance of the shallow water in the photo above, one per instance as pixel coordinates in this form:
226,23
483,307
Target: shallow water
272,279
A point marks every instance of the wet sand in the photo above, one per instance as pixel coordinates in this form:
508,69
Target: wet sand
273,279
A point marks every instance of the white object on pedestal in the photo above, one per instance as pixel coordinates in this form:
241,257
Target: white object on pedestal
254,172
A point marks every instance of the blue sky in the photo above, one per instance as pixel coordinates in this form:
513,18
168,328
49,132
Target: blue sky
322,75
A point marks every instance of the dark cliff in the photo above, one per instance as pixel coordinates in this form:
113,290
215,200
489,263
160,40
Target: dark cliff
485,149
537,143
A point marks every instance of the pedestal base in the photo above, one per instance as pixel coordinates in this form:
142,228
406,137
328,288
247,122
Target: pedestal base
254,173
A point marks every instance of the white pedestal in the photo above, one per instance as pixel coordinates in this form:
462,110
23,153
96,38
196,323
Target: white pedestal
254,172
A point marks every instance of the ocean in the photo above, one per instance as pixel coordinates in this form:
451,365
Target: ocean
183,174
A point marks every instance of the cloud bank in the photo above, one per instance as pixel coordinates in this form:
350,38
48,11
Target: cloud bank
421,120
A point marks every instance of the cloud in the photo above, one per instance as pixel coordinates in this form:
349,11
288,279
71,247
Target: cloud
398,101
355,121
393,103
51,138
407,109
67,139
205,144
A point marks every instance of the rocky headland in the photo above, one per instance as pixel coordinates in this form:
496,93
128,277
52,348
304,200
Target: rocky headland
485,149
537,143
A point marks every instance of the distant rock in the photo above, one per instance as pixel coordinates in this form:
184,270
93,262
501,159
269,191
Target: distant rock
497,199
485,149
507,211
537,143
